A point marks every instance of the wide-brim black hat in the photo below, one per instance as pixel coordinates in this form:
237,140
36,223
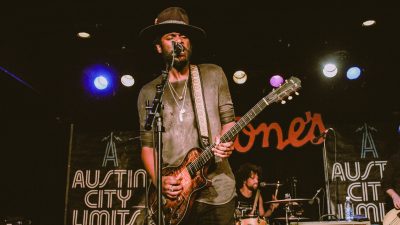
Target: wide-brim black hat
172,19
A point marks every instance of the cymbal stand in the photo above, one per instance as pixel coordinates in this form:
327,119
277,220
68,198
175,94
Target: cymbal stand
287,212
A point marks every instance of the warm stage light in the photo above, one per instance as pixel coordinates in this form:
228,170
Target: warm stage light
127,80
83,35
330,70
368,23
239,77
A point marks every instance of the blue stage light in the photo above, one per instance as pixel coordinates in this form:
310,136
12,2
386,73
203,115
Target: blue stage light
100,82
99,79
353,73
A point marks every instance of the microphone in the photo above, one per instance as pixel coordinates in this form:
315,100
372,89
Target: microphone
263,184
321,135
314,197
178,48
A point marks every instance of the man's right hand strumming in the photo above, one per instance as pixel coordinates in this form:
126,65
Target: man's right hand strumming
171,186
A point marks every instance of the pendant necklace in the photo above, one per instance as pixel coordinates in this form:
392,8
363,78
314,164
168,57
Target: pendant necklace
180,98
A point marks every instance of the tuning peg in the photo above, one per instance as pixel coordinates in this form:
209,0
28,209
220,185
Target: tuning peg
283,102
296,93
290,97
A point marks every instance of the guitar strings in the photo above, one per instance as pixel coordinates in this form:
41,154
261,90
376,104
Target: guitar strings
395,221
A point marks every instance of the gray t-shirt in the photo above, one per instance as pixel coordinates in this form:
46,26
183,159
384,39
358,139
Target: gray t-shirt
181,136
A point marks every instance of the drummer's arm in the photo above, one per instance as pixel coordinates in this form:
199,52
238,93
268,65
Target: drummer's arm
269,212
271,207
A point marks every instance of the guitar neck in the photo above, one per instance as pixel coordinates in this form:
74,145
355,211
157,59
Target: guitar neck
207,154
281,93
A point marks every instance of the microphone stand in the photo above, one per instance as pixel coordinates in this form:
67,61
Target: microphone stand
319,207
328,196
331,211
154,113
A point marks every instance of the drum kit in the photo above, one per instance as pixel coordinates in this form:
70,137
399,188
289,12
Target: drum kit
292,207
293,210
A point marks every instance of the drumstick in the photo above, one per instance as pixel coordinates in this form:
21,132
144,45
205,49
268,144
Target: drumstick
276,190
276,193
255,202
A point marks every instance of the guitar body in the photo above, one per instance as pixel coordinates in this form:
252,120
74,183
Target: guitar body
392,217
174,210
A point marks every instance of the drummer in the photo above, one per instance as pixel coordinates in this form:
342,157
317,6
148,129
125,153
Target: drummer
249,200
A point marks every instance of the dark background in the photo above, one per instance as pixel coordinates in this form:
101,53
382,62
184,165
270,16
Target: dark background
38,43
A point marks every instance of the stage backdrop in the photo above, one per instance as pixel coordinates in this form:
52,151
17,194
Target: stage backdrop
357,155
106,180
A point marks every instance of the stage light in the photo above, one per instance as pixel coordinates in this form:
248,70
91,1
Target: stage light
127,80
99,79
353,73
240,77
83,35
100,82
368,23
276,81
330,70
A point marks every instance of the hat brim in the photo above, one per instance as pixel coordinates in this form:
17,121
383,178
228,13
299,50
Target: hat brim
154,31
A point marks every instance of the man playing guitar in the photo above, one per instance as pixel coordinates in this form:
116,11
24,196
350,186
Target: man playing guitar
214,204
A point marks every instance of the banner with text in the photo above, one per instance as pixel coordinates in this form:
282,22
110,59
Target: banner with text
106,180
357,155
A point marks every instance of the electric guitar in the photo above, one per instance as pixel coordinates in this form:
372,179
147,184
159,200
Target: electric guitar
193,170
392,217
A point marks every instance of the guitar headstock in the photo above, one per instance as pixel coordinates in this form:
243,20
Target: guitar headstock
285,91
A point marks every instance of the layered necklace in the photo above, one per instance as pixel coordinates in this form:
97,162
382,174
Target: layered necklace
178,98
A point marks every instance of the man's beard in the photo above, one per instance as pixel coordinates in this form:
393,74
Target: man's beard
178,64
253,187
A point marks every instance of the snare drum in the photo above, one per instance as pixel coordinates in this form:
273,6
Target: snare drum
252,220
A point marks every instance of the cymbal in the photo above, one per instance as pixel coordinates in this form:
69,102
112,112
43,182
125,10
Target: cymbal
289,200
291,218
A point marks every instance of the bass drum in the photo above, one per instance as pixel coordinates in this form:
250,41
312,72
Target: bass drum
252,220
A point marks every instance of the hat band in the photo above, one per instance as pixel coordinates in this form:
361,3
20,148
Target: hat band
173,21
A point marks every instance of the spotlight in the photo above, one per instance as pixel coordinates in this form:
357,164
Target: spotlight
330,70
276,81
239,77
83,35
353,73
100,82
368,23
99,79
127,80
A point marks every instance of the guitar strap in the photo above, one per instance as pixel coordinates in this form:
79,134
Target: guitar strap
200,107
